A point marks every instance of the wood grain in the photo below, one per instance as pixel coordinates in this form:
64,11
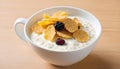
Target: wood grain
16,54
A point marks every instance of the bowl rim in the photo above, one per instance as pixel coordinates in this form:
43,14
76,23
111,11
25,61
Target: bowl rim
69,7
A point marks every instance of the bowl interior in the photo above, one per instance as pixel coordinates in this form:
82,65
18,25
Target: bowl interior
71,12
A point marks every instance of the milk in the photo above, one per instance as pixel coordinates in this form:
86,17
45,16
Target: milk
71,44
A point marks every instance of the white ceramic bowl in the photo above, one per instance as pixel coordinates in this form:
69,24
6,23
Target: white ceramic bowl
60,58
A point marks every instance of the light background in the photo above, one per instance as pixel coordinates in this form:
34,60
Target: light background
16,54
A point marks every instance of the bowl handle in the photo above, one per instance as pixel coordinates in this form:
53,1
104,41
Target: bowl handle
18,29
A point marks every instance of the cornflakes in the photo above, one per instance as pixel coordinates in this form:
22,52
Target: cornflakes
81,36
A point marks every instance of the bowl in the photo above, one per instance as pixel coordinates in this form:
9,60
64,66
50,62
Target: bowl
60,58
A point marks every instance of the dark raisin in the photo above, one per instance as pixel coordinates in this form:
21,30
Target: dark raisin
59,26
60,41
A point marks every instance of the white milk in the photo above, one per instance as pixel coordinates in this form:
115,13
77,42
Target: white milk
71,44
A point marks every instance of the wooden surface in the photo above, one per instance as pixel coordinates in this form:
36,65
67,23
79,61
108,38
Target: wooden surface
16,54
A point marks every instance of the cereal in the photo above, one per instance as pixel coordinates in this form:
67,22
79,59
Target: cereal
55,37
60,15
36,28
60,26
81,36
78,22
64,34
70,25
49,33
47,21
46,16
70,44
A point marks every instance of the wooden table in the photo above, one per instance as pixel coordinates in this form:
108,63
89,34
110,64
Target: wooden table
16,54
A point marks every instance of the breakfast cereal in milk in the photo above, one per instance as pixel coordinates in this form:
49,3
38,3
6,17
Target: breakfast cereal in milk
60,32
